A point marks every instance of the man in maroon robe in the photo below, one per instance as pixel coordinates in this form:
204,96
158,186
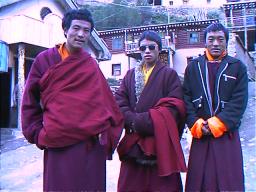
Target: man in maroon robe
68,110
216,94
150,98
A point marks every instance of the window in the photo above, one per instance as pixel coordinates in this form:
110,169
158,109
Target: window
44,12
185,1
155,2
117,43
194,37
250,20
129,37
116,69
158,2
161,34
4,55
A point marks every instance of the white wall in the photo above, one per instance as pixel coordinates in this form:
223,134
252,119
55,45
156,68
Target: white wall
106,66
31,8
180,58
21,22
179,62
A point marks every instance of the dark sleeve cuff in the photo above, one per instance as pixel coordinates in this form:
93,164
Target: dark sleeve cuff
143,124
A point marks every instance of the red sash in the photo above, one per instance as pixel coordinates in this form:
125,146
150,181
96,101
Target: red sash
78,104
166,142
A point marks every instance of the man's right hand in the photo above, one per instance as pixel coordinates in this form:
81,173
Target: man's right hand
205,129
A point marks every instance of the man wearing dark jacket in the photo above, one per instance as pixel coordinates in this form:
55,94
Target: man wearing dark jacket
216,94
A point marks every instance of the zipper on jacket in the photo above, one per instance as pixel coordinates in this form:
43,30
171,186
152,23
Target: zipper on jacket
198,99
223,103
218,85
228,76
205,92
208,89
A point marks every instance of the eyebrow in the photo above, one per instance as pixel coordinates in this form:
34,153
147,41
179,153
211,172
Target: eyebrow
212,36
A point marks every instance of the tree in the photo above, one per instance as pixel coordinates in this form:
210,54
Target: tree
113,16
132,13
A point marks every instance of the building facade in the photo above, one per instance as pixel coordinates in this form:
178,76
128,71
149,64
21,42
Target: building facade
241,19
181,42
27,28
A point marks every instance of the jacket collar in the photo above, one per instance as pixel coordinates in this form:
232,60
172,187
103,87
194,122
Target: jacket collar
226,59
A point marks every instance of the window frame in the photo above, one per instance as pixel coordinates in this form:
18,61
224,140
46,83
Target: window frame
191,39
116,69
117,46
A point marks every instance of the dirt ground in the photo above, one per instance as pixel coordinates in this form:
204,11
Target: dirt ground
21,163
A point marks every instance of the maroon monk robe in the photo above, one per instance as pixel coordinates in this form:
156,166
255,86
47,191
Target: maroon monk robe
166,142
170,158
163,82
77,106
208,154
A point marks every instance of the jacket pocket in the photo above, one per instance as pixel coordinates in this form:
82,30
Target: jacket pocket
198,102
228,77
223,104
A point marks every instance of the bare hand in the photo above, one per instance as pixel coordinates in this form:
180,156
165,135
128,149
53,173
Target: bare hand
205,129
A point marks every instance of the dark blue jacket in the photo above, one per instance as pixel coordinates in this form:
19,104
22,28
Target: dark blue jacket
230,91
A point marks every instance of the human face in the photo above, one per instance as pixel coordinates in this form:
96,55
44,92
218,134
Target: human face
216,43
77,35
149,56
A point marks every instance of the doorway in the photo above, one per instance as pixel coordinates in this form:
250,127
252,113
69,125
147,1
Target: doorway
5,92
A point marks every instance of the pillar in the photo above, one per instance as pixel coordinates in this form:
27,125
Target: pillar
21,79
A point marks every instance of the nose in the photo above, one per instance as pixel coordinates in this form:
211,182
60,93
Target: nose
215,42
80,33
147,49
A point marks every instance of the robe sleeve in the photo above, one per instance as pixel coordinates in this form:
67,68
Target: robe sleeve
122,98
134,122
143,124
31,111
173,89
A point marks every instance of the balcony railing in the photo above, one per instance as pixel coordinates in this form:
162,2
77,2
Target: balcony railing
132,47
242,21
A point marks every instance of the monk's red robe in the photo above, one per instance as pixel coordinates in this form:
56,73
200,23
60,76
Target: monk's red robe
161,109
66,106
165,144
216,164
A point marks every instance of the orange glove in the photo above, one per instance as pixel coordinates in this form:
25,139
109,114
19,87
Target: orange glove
196,130
216,126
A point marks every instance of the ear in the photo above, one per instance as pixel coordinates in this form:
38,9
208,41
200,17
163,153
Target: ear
65,30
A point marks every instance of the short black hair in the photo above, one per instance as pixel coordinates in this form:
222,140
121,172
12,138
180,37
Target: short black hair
216,27
152,36
77,14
